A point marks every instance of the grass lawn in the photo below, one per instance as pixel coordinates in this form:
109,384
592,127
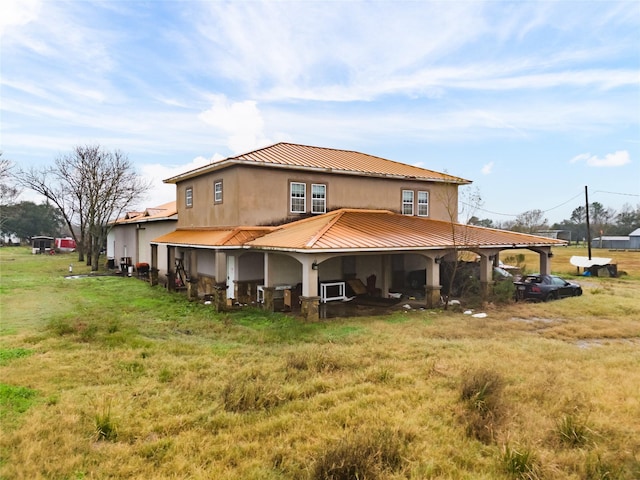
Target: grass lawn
106,377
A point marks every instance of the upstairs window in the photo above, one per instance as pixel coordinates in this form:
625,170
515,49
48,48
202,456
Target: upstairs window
318,198
423,204
188,197
407,202
217,191
298,197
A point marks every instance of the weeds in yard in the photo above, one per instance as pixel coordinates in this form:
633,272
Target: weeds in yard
369,454
105,427
249,391
520,464
572,431
484,409
15,400
8,354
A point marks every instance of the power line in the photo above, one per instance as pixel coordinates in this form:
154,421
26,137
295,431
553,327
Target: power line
618,193
516,214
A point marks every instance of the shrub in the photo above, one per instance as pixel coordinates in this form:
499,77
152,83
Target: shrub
364,455
503,292
481,394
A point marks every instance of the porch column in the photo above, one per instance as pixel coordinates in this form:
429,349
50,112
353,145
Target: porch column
432,288
171,268
309,300
153,271
545,260
386,275
192,282
486,274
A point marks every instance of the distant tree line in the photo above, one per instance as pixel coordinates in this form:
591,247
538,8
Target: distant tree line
602,220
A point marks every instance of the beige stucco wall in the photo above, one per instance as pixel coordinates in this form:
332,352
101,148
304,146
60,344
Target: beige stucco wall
260,196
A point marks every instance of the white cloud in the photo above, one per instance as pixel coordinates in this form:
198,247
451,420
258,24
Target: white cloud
486,169
616,159
17,13
241,121
161,192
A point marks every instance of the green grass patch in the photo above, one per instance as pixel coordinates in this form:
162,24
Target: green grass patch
15,400
8,354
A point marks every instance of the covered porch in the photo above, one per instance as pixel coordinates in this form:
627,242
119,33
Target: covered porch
328,257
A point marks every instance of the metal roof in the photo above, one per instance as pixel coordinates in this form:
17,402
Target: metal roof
303,157
161,212
212,237
357,230
351,229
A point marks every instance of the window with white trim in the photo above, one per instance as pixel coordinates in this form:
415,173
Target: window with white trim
188,197
407,202
298,197
423,204
318,198
217,191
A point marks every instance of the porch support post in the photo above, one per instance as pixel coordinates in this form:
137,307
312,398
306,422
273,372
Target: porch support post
486,274
171,268
192,284
153,271
220,271
545,260
432,288
309,300
386,275
268,303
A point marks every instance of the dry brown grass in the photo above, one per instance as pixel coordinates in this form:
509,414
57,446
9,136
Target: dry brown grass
193,394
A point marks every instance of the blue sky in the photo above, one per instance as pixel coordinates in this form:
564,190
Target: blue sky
530,100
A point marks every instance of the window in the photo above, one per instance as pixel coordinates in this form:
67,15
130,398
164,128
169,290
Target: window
298,197
318,198
423,204
188,197
407,202
217,191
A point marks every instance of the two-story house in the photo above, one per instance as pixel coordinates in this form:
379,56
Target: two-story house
290,214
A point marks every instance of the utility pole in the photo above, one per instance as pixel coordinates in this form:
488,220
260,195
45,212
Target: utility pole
586,197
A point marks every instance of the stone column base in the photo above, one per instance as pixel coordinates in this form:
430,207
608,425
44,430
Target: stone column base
153,277
268,303
310,308
220,297
192,288
432,296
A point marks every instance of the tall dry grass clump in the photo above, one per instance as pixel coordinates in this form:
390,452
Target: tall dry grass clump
367,455
483,406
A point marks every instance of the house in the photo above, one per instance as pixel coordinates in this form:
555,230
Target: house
293,216
128,240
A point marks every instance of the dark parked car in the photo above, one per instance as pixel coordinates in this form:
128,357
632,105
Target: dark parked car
545,287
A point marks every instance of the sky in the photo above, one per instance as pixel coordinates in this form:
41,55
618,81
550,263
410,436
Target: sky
532,101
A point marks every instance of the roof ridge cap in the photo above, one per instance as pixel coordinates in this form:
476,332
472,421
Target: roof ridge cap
337,214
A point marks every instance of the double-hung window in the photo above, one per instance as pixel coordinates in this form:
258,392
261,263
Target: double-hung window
188,197
318,198
407,202
423,204
217,191
298,197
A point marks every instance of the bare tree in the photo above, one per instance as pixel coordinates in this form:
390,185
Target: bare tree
90,186
8,190
531,221
464,207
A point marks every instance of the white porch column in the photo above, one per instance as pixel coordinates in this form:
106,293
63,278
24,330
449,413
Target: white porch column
386,279
486,273
432,288
220,271
309,278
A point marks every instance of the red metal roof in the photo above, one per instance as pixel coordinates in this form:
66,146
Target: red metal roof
164,211
350,229
357,230
294,156
212,237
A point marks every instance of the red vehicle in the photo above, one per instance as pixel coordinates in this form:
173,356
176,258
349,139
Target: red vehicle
65,245
545,287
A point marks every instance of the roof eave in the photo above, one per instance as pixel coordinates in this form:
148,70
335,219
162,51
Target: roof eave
233,161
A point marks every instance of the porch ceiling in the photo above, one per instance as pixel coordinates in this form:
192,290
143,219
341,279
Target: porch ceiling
349,229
